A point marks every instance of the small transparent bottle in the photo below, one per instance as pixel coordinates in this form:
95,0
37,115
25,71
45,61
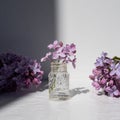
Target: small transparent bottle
58,81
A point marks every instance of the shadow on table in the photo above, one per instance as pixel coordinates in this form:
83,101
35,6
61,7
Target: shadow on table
76,91
8,98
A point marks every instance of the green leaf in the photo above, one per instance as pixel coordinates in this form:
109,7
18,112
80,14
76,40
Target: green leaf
116,59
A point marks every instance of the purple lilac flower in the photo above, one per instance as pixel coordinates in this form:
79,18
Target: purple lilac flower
92,77
106,71
100,60
103,81
96,72
115,69
106,75
112,91
55,45
96,85
46,57
18,72
62,53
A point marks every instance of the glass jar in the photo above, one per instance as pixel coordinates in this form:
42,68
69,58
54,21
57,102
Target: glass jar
58,81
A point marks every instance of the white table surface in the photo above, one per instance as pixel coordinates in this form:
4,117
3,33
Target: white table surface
83,105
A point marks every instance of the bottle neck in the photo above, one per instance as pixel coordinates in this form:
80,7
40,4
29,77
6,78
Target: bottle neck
58,67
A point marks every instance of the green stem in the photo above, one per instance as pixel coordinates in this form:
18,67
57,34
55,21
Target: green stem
116,59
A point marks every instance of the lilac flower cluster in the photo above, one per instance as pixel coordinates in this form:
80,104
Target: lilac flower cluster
106,75
62,53
18,72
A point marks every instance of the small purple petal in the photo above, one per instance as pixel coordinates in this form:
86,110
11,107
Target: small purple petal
116,93
50,46
96,85
92,77
103,81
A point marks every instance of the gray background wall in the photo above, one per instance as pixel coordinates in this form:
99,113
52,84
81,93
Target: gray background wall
27,27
